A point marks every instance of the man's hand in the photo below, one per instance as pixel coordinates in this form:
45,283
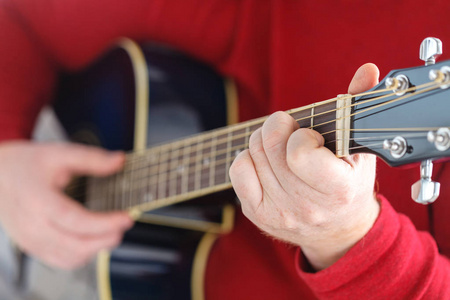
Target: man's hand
38,216
295,189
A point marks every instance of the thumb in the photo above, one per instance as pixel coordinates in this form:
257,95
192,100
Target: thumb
86,160
365,78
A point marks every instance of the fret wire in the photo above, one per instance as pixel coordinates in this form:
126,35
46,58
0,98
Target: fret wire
206,153
312,116
154,157
173,174
185,169
106,199
228,155
109,201
117,199
129,182
247,136
198,166
162,175
212,161
140,197
92,193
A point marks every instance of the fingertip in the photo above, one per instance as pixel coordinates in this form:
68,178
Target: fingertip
126,221
118,156
319,137
365,78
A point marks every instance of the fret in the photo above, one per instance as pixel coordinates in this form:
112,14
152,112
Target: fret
305,117
324,114
139,181
92,195
118,199
173,172
151,177
213,160
192,166
128,177
106,199
206,158
162,174
238,142
220,158
228,159
185,169
123,183
246,137
198,165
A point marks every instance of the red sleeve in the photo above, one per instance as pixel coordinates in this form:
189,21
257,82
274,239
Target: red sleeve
26,75
393,261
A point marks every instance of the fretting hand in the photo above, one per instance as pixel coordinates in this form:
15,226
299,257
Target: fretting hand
38,216
296,190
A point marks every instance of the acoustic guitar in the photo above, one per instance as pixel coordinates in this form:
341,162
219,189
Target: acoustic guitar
167,187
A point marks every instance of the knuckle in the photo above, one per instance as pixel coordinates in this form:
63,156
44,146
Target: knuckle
296,158
316,219
273,139
255,139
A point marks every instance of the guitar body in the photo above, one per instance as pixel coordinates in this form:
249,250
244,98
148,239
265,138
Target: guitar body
117,103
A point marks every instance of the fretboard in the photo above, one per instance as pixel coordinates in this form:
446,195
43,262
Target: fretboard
193,166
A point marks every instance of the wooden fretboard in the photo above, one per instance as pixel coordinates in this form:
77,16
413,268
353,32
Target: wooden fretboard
194,166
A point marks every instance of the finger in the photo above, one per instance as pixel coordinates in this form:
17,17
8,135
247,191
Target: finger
275,133
74,251
72,217
264,171
314,164
59,248
365,78
86,160
245,181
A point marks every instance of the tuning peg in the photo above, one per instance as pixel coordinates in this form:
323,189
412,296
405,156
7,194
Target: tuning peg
425,190
440,138
430,49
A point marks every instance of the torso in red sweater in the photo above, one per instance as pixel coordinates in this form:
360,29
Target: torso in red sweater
282,54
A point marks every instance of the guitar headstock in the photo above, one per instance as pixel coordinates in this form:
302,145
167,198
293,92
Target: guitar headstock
405,119
407,124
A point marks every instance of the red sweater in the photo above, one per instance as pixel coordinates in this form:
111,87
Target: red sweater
282,54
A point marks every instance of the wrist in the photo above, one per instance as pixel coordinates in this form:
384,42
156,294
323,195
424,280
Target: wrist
328,249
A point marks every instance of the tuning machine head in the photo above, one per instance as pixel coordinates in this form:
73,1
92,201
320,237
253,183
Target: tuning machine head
430,49
440,138
425,191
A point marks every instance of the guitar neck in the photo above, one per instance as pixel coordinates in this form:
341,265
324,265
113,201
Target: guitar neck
198,165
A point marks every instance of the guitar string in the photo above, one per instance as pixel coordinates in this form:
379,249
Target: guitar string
221,141
207,145
373,92
143,182
370,100
171,146
174,181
